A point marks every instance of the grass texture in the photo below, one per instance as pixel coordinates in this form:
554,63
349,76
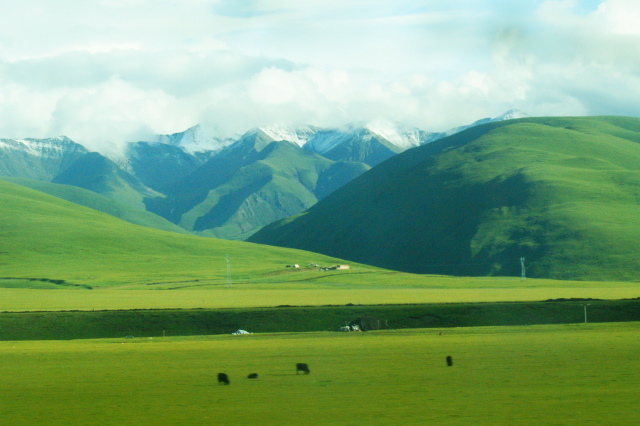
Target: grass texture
577,374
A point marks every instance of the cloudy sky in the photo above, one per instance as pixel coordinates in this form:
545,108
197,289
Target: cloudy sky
103,71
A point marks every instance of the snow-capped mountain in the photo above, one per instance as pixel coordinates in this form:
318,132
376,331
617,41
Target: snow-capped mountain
49,147
196,139
220,186
298,135
511,115
385,135
403,137
370,142
40,159
327,139
322,140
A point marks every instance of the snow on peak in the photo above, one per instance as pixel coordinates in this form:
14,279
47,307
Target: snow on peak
41,147
196,139
510,115
404,137
327,139
399,135
298,135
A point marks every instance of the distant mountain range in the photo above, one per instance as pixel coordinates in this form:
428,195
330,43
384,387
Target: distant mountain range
216,186
559,195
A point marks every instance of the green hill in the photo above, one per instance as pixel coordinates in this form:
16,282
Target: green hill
239,191
48,238
98,202
564,193
101,175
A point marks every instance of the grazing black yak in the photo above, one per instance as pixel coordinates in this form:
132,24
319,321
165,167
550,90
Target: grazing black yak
301,366
252,376
449,361
223,379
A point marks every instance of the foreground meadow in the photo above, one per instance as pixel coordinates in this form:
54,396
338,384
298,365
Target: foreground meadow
569,374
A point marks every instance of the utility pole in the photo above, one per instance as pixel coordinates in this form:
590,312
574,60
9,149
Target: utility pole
524,274
585,312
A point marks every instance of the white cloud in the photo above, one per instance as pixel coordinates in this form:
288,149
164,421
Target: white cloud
620,16
25,112
103,71
113,112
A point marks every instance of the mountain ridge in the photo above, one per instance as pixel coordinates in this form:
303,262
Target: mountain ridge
196,178
559,192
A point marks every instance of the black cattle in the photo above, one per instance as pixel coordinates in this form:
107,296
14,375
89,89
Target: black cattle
301,366
223,379
449,361
252,376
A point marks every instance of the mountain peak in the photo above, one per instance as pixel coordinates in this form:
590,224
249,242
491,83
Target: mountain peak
297,134
511,114
400,135
196,139
42,147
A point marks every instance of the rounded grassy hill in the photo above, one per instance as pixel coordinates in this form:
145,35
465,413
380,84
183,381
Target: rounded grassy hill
562,193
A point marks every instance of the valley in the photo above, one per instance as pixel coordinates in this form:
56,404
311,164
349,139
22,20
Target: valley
87,281
222,212
213,185
548,210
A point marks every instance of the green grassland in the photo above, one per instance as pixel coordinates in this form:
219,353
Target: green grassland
46,237
57,256
98,202
21,295
575,374
97,173
54,251
50,243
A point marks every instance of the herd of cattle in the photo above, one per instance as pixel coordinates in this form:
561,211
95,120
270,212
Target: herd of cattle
223,379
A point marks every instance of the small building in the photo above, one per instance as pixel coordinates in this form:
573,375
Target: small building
342,267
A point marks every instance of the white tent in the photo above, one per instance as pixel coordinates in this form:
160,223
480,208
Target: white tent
237,332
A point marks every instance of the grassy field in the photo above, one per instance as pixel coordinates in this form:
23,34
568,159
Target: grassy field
367,286
64,245
95,201
48,238
572,374
18,300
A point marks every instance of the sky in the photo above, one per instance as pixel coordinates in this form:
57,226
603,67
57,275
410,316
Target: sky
106,71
